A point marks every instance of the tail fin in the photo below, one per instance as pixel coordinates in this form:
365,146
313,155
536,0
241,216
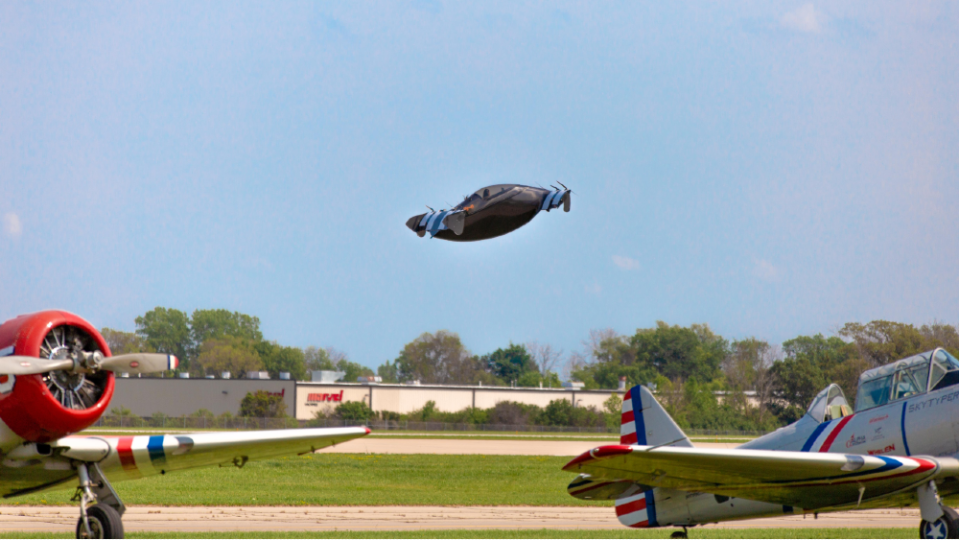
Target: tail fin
646,423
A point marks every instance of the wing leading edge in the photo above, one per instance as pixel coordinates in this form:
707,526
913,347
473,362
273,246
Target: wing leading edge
138,456
798,479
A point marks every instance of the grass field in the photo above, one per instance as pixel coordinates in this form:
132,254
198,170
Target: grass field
541,533
354,479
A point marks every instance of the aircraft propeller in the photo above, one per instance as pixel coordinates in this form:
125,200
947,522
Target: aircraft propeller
89,362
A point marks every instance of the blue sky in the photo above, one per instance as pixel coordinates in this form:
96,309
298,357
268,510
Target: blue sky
771,169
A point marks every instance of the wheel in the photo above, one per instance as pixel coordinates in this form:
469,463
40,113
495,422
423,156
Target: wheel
679,534
104,521
946,526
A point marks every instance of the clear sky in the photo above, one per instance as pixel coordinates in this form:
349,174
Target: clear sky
771,169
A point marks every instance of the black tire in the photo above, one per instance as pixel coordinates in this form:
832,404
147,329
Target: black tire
679,534
945,527
104,521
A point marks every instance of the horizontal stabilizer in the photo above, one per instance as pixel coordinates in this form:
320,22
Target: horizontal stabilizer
588,488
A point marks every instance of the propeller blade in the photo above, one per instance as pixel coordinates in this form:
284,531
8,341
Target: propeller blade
554,187
140,363
28,365
564,187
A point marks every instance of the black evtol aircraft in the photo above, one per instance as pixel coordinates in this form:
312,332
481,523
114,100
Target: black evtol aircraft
490,212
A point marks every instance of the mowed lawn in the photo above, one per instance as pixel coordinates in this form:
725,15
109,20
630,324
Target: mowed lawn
354,479
540,533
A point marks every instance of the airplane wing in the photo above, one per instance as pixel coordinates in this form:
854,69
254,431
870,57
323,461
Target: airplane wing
138,456
40,466
799,479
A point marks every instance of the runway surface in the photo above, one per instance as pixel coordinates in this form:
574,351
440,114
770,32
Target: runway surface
394,518
481,446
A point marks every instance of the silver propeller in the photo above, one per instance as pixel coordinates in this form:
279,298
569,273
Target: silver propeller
90,362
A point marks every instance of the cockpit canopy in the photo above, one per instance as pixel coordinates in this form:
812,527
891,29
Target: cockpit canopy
917,374
829,404
478,199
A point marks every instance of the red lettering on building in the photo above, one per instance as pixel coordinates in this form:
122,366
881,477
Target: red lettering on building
314,398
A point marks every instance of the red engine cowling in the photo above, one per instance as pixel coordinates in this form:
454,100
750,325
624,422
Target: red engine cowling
45,407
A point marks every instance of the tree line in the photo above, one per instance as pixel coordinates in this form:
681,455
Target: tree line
703,379
214,341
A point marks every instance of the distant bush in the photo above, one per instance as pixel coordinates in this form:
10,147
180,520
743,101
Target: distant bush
262,404
353,411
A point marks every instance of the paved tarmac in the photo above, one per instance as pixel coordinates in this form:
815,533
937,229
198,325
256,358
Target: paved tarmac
395,518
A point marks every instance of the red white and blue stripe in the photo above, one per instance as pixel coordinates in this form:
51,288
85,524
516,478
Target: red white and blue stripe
435,222
636,510
632,430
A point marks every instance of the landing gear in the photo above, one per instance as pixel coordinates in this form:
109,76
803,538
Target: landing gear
97,519
947,526
680,534
102,521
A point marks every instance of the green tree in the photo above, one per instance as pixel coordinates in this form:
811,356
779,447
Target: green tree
680,353
532,379
228,353
389,372
353,370
436,359
559,412
509,364
675,352
167,331
354,411
880,342
941,335
836,360
262,404
317,359
214,323
277,358
796,381
124,342
613,410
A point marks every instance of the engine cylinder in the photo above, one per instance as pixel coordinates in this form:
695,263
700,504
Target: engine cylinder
45,407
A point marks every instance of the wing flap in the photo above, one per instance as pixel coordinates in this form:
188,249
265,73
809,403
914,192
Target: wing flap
790,478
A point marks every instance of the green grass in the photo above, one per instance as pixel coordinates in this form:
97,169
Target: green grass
536,533
354,479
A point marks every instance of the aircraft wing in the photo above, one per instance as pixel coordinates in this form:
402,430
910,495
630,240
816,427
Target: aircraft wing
35,467
800,479
145,455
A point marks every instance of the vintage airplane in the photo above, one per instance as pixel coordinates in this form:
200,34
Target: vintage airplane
57,378
490,212
898,448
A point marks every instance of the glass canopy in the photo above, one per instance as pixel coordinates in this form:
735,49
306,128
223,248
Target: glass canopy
908,377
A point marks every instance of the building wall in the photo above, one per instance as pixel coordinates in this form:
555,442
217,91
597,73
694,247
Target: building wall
181,397
403,399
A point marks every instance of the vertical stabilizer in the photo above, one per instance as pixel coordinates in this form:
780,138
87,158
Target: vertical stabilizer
646,423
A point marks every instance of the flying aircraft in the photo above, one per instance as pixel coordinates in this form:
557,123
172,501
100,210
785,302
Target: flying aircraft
490,212
897,448
57,378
